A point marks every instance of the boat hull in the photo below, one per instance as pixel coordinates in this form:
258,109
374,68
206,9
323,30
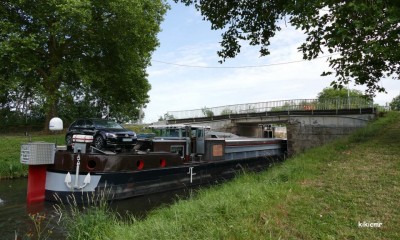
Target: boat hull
116,185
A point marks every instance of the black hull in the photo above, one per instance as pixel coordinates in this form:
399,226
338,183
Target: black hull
123,185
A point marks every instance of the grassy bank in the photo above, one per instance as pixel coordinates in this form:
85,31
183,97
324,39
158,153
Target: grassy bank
331,192
10,145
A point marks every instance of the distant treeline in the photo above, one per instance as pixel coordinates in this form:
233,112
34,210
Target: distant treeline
17,122
24,115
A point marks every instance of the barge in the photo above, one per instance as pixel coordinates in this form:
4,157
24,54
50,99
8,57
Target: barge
181,156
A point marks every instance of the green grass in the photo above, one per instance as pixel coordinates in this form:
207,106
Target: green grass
89,221
321,194
10,166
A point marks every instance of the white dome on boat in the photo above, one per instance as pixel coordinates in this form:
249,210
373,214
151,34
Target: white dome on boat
56,124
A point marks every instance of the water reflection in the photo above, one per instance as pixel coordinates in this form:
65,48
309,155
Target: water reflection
14,213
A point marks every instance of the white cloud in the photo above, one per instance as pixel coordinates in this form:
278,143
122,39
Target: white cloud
187,40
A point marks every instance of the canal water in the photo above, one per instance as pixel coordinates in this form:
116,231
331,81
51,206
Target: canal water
14,212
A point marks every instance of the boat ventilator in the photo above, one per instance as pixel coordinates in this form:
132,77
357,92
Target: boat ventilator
68,178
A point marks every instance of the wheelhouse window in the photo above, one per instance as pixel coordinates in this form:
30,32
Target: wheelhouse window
177,149
200,133
169,132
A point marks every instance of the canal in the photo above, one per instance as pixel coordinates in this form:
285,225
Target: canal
14,213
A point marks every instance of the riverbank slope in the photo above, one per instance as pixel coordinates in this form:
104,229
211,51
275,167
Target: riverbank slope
345,190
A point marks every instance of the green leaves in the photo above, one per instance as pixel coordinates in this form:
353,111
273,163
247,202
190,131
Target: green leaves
255,21
340,92
395,104
364,35
98,48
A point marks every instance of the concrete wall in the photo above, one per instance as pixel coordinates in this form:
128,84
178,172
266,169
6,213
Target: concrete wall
301,138
305,133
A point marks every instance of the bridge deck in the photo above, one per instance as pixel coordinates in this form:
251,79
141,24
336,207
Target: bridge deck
275,113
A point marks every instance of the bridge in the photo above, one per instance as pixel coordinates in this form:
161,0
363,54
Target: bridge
308,122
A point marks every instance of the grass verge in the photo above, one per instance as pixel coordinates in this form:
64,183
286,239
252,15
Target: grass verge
10,149
330,192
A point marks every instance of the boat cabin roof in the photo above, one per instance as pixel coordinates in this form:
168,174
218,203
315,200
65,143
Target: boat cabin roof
179,130
178,126
224,135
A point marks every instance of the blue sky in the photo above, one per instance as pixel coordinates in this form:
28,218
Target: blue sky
188,40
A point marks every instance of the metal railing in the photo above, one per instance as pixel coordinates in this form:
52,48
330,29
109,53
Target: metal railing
275,106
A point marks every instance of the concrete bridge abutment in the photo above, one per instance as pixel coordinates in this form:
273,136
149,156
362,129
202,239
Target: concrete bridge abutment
303,131
307,132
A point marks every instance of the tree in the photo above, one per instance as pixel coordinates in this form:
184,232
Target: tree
343,98
361,36
330,93
67,50
395,103
227,111
207,112
166,117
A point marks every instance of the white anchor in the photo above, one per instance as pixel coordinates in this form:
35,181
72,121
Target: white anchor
68,178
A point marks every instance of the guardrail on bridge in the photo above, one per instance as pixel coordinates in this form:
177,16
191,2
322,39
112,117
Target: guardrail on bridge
275,106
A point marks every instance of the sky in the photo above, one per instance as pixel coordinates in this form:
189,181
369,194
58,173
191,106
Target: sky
201,82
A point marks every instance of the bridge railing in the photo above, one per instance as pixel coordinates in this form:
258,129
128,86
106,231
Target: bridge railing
275,106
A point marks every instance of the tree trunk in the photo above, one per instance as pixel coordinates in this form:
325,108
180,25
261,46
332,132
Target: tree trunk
52,85
50,112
